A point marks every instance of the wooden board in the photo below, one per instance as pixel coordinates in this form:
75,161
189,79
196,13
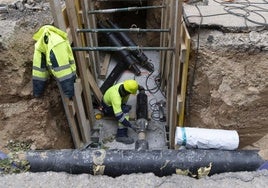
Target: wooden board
84,126
88,39
172,119
80,60
105,66
73,126
60,17
186,47
90,23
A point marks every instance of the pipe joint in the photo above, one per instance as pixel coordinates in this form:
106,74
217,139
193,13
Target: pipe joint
141,125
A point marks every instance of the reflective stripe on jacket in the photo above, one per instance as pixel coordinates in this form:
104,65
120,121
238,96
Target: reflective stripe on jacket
53,55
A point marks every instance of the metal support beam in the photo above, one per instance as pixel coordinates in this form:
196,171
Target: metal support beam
112,48
127,9
139,30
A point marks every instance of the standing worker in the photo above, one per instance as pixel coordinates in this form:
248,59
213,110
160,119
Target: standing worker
114,103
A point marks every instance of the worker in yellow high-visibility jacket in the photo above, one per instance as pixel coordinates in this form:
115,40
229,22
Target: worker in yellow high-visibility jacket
114,103
53,55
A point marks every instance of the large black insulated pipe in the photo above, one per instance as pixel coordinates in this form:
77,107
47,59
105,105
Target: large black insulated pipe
113,76
126,40
160,162
142,105
125,55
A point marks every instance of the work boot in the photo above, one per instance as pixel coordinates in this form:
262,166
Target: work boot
122,136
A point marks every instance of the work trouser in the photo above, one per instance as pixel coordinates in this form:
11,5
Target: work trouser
108,110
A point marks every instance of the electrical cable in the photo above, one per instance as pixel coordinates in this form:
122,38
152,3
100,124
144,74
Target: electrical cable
157,79
228,7
155,115
248,13
154,105
231,7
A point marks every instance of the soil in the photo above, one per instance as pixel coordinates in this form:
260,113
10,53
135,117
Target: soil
229,89
40,122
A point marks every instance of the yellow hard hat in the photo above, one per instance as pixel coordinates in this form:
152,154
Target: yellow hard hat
131,86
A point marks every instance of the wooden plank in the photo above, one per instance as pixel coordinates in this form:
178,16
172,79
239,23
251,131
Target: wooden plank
187,40
175,70
168,71
91,38
105,66
56,10
72,124
68,31
60,22
65,16
80,20
80,59
183,52
179,103
170,40
88,38
94,87
166,24
162,38
80,113
71,108
60,17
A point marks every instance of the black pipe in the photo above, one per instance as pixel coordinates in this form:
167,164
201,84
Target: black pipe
113,76
124,55
141,105
160,162
126,40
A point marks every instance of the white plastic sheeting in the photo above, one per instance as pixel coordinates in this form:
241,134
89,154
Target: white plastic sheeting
201,138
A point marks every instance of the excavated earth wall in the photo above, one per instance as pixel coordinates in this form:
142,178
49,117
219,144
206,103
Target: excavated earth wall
230,89
40,123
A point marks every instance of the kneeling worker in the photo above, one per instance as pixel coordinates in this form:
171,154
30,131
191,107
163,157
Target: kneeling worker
114,103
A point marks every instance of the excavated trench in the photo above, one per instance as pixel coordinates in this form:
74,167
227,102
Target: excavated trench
227,82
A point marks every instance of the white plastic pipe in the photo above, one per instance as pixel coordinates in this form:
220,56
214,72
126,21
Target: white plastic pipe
201,138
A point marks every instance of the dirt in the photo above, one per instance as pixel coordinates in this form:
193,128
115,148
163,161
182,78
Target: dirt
230,85
41,122
229,89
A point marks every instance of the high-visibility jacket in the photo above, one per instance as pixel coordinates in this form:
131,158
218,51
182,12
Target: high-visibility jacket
112,98
53,56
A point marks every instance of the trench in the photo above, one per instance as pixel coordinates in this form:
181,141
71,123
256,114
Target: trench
229,90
